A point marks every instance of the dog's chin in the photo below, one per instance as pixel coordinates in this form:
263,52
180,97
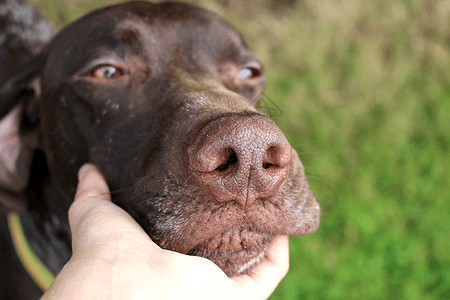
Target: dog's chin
236,251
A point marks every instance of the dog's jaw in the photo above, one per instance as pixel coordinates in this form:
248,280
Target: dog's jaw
235,251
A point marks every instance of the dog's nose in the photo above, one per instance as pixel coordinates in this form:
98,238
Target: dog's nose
240,158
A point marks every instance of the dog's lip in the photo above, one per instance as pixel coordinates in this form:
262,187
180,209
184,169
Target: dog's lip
218,236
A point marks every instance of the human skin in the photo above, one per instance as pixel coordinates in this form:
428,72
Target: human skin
113,258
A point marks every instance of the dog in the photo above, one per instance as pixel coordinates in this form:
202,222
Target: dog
162,98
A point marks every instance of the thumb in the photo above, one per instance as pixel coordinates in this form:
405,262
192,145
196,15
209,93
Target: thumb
93,218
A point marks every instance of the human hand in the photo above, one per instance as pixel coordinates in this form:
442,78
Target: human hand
113,258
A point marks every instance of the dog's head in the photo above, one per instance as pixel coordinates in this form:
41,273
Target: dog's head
161,97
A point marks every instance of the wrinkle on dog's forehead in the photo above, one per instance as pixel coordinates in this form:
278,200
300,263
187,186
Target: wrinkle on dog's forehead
137,33
188,36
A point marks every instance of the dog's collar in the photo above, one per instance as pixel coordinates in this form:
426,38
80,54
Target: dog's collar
40,274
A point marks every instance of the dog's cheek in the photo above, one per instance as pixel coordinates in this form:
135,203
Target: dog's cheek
65,120
303,210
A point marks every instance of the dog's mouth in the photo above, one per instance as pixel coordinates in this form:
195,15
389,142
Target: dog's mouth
235,248
235,251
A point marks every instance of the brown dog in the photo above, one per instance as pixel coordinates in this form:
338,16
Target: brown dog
161,97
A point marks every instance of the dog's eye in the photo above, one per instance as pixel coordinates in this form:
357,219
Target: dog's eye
106,72
249,73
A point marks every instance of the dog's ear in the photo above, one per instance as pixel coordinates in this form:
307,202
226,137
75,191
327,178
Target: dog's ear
19,131
24,33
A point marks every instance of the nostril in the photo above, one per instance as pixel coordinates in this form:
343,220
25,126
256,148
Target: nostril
266,165
231,160
276,156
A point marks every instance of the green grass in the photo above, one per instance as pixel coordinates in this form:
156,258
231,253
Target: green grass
364,88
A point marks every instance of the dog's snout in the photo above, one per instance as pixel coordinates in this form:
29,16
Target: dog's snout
240,158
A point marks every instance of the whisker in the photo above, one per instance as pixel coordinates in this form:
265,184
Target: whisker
174,121
324,199
122,190
307,152
322,170
301,145
320,180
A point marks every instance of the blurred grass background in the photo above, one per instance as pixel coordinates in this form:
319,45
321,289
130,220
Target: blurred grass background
364,88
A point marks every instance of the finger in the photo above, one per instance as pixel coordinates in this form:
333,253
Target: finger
267,275
92,190
92,181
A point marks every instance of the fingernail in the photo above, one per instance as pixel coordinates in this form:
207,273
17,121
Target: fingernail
83,170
